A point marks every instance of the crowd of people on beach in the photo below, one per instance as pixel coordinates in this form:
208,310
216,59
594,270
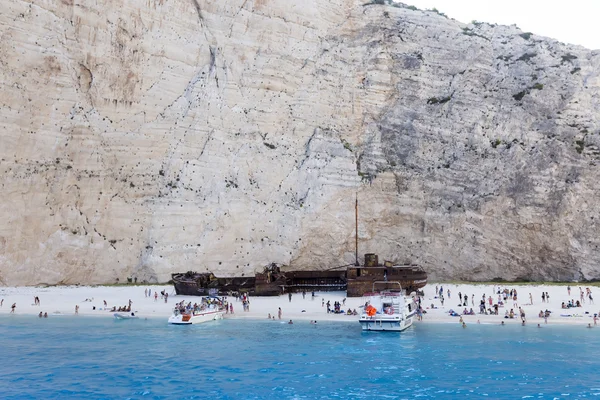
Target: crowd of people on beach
487,305
126,308
504,302
164,294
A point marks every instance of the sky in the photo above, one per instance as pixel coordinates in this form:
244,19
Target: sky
574,21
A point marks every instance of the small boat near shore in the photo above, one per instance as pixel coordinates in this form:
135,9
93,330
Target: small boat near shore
196,317
210,309
387,311
125,316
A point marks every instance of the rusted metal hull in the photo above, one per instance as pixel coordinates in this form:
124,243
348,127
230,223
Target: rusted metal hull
202,284
361,279
355,280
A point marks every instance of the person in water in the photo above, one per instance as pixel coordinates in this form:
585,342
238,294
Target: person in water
45,315
290,323
40,315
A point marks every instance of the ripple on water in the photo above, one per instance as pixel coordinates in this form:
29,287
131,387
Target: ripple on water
95,358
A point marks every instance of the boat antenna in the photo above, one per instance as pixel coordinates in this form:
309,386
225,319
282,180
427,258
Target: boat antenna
356,233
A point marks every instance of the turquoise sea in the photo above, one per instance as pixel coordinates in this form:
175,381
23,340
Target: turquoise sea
96,358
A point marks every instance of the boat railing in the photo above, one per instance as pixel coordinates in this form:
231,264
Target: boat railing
386,282
382,294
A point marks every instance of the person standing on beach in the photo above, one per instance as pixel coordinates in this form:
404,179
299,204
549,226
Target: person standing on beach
522,315
145,292
279,313
530,299
12,308
304,294
230,308
166,297
290,296
569,290
1,302
76,309
155,296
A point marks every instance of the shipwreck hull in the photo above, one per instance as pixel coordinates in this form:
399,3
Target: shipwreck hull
356,280
362,279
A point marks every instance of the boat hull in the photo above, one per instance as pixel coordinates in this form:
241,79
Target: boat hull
386,323
125,316
187,319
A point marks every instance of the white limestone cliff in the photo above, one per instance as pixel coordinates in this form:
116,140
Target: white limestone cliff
142,138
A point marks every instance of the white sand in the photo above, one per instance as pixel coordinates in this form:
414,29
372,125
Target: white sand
62,300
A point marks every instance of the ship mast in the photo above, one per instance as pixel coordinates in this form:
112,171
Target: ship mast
356,233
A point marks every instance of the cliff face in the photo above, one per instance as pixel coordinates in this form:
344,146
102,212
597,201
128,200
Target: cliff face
141,138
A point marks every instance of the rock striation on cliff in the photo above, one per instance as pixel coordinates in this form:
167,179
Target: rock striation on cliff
142,138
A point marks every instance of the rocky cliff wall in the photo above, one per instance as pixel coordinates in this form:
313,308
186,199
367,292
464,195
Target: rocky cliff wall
141,138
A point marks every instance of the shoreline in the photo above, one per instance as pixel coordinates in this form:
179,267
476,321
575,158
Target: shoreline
61,301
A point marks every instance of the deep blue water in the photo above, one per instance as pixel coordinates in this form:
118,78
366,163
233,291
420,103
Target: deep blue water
94,358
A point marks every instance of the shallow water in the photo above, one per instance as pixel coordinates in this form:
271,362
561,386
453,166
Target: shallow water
98,358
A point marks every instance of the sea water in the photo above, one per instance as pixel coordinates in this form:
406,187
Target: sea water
97,358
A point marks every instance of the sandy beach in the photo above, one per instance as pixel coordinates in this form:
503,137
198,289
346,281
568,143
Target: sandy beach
61,301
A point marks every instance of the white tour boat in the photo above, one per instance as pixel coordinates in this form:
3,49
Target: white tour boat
195,318
198,314
387,311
